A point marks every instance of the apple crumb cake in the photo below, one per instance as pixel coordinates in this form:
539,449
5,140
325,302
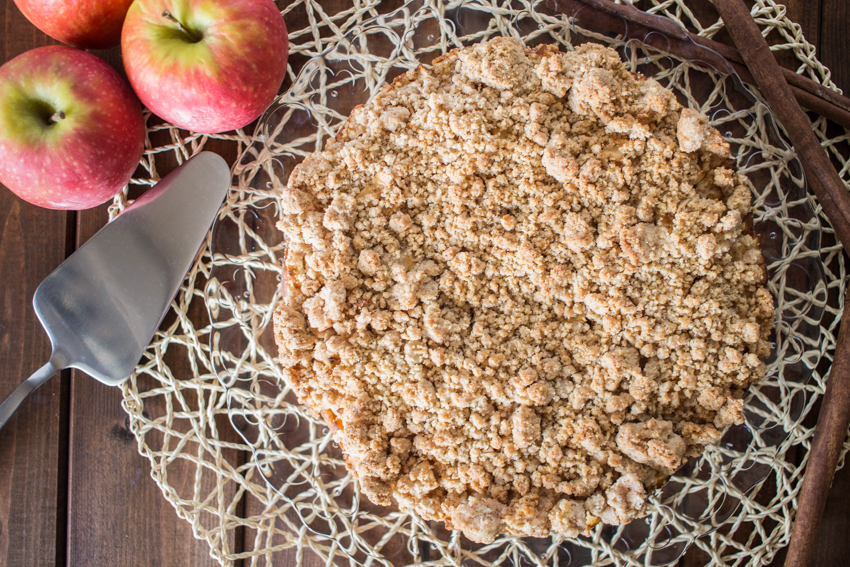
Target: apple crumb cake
520,289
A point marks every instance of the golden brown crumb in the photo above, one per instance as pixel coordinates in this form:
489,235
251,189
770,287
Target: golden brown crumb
520,286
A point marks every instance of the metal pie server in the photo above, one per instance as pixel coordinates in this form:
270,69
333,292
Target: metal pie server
102,306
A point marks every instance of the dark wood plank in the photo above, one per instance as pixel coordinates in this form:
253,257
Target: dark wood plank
117,513
828,33
33,445
833,544
19,35
833,547
834,45
808,15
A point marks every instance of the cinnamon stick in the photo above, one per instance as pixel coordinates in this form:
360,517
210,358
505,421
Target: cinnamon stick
822,177
822,107
808,93
834,417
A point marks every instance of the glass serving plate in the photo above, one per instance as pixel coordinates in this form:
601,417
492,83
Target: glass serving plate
304,471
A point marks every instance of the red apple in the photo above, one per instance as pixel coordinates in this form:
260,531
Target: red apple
205,65
71,131
90,24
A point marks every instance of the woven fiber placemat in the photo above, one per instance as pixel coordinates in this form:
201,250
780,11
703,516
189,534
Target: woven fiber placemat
224,481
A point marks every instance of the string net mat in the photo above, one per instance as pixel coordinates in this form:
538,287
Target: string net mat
262,482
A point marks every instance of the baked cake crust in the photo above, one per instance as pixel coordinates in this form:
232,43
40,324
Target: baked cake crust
520,289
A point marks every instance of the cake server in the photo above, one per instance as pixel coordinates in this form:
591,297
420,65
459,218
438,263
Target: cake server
102,306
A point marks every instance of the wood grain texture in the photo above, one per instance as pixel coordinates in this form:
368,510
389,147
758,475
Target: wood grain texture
834,46
32,243
825,24
116,515
33,445
833,50
808,15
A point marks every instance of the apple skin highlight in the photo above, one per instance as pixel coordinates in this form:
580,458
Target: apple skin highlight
205,65
71,131
88,24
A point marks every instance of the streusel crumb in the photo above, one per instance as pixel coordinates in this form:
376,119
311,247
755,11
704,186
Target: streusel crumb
520,288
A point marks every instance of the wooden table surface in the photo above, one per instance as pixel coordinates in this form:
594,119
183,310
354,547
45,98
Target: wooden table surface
73,488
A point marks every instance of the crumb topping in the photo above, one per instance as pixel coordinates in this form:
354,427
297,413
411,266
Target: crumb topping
520,288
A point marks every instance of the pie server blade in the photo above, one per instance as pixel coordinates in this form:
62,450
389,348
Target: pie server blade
102,306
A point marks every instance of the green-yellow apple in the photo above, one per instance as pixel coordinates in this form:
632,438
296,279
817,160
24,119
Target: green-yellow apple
90,24
71,131
205,65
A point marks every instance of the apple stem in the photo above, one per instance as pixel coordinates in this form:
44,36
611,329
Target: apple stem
168,16
57,116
